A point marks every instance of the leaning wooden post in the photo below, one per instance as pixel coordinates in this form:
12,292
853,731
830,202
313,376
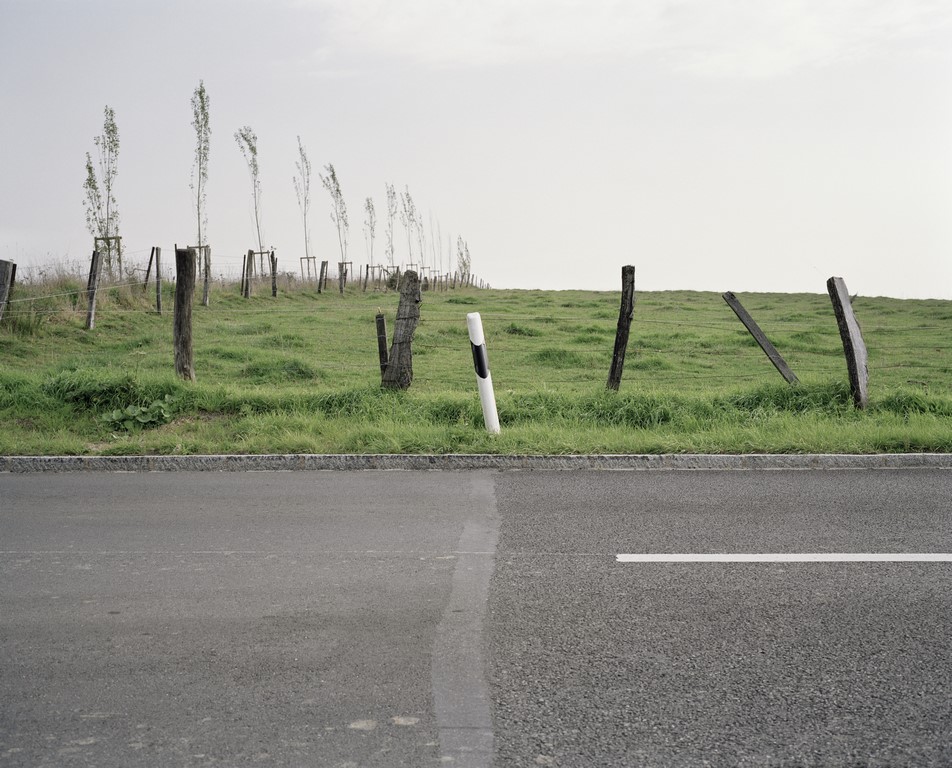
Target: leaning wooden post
148,270
775,357
249,270
274,274
852,336
8,271
624,326
382,343
322,279
399,371
92,286
158,280
182,326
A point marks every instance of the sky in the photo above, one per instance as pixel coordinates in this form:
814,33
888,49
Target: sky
743,145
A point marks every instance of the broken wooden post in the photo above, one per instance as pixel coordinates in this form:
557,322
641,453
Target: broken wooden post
158,280
852,336
399,371
182,326
775,357
8,271
382,342
624,326
274,274
92,287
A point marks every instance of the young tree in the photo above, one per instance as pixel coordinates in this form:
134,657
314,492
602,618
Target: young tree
370,227
391,214
463,262
248,144
338,209
203,134
102,211
302,187
408,219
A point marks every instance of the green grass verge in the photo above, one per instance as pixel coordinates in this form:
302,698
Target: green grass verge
299,374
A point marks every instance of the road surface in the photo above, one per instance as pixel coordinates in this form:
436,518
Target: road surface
475,618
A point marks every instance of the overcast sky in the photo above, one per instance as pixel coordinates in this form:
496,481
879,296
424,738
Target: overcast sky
745,145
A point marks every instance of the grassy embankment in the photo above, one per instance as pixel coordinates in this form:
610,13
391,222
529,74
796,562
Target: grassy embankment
299,374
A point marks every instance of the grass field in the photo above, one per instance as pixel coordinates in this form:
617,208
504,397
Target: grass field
299,374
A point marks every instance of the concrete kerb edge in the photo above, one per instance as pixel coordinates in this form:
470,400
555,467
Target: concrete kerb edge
357,462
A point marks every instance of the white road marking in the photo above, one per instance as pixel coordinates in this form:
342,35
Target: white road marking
782,557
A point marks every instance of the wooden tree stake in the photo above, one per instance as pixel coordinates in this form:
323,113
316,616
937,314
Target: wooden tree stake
624,326
274,273
185,259
775,357
852,336
399,371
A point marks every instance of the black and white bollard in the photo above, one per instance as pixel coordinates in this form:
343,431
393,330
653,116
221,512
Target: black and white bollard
483,378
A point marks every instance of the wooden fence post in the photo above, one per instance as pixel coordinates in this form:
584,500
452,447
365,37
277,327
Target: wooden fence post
775,357
852,336
206,256
382,343
322,279
625,314
185,259
92,287
399,371
274,274
148,270
8,271
249,270
158,280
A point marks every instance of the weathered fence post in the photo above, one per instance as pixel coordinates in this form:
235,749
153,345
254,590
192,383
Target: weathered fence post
148,270
274,274
399,371
92,287
624,326
8,271
207,268
158,280
382,342
775,357
484,379
249,270
185,259
852,336
322,279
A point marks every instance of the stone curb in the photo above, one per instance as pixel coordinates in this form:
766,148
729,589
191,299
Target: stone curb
352,462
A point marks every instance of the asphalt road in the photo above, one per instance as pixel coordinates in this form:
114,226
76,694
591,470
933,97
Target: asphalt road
473,619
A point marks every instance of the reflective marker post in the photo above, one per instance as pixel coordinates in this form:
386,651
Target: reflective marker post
481,361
